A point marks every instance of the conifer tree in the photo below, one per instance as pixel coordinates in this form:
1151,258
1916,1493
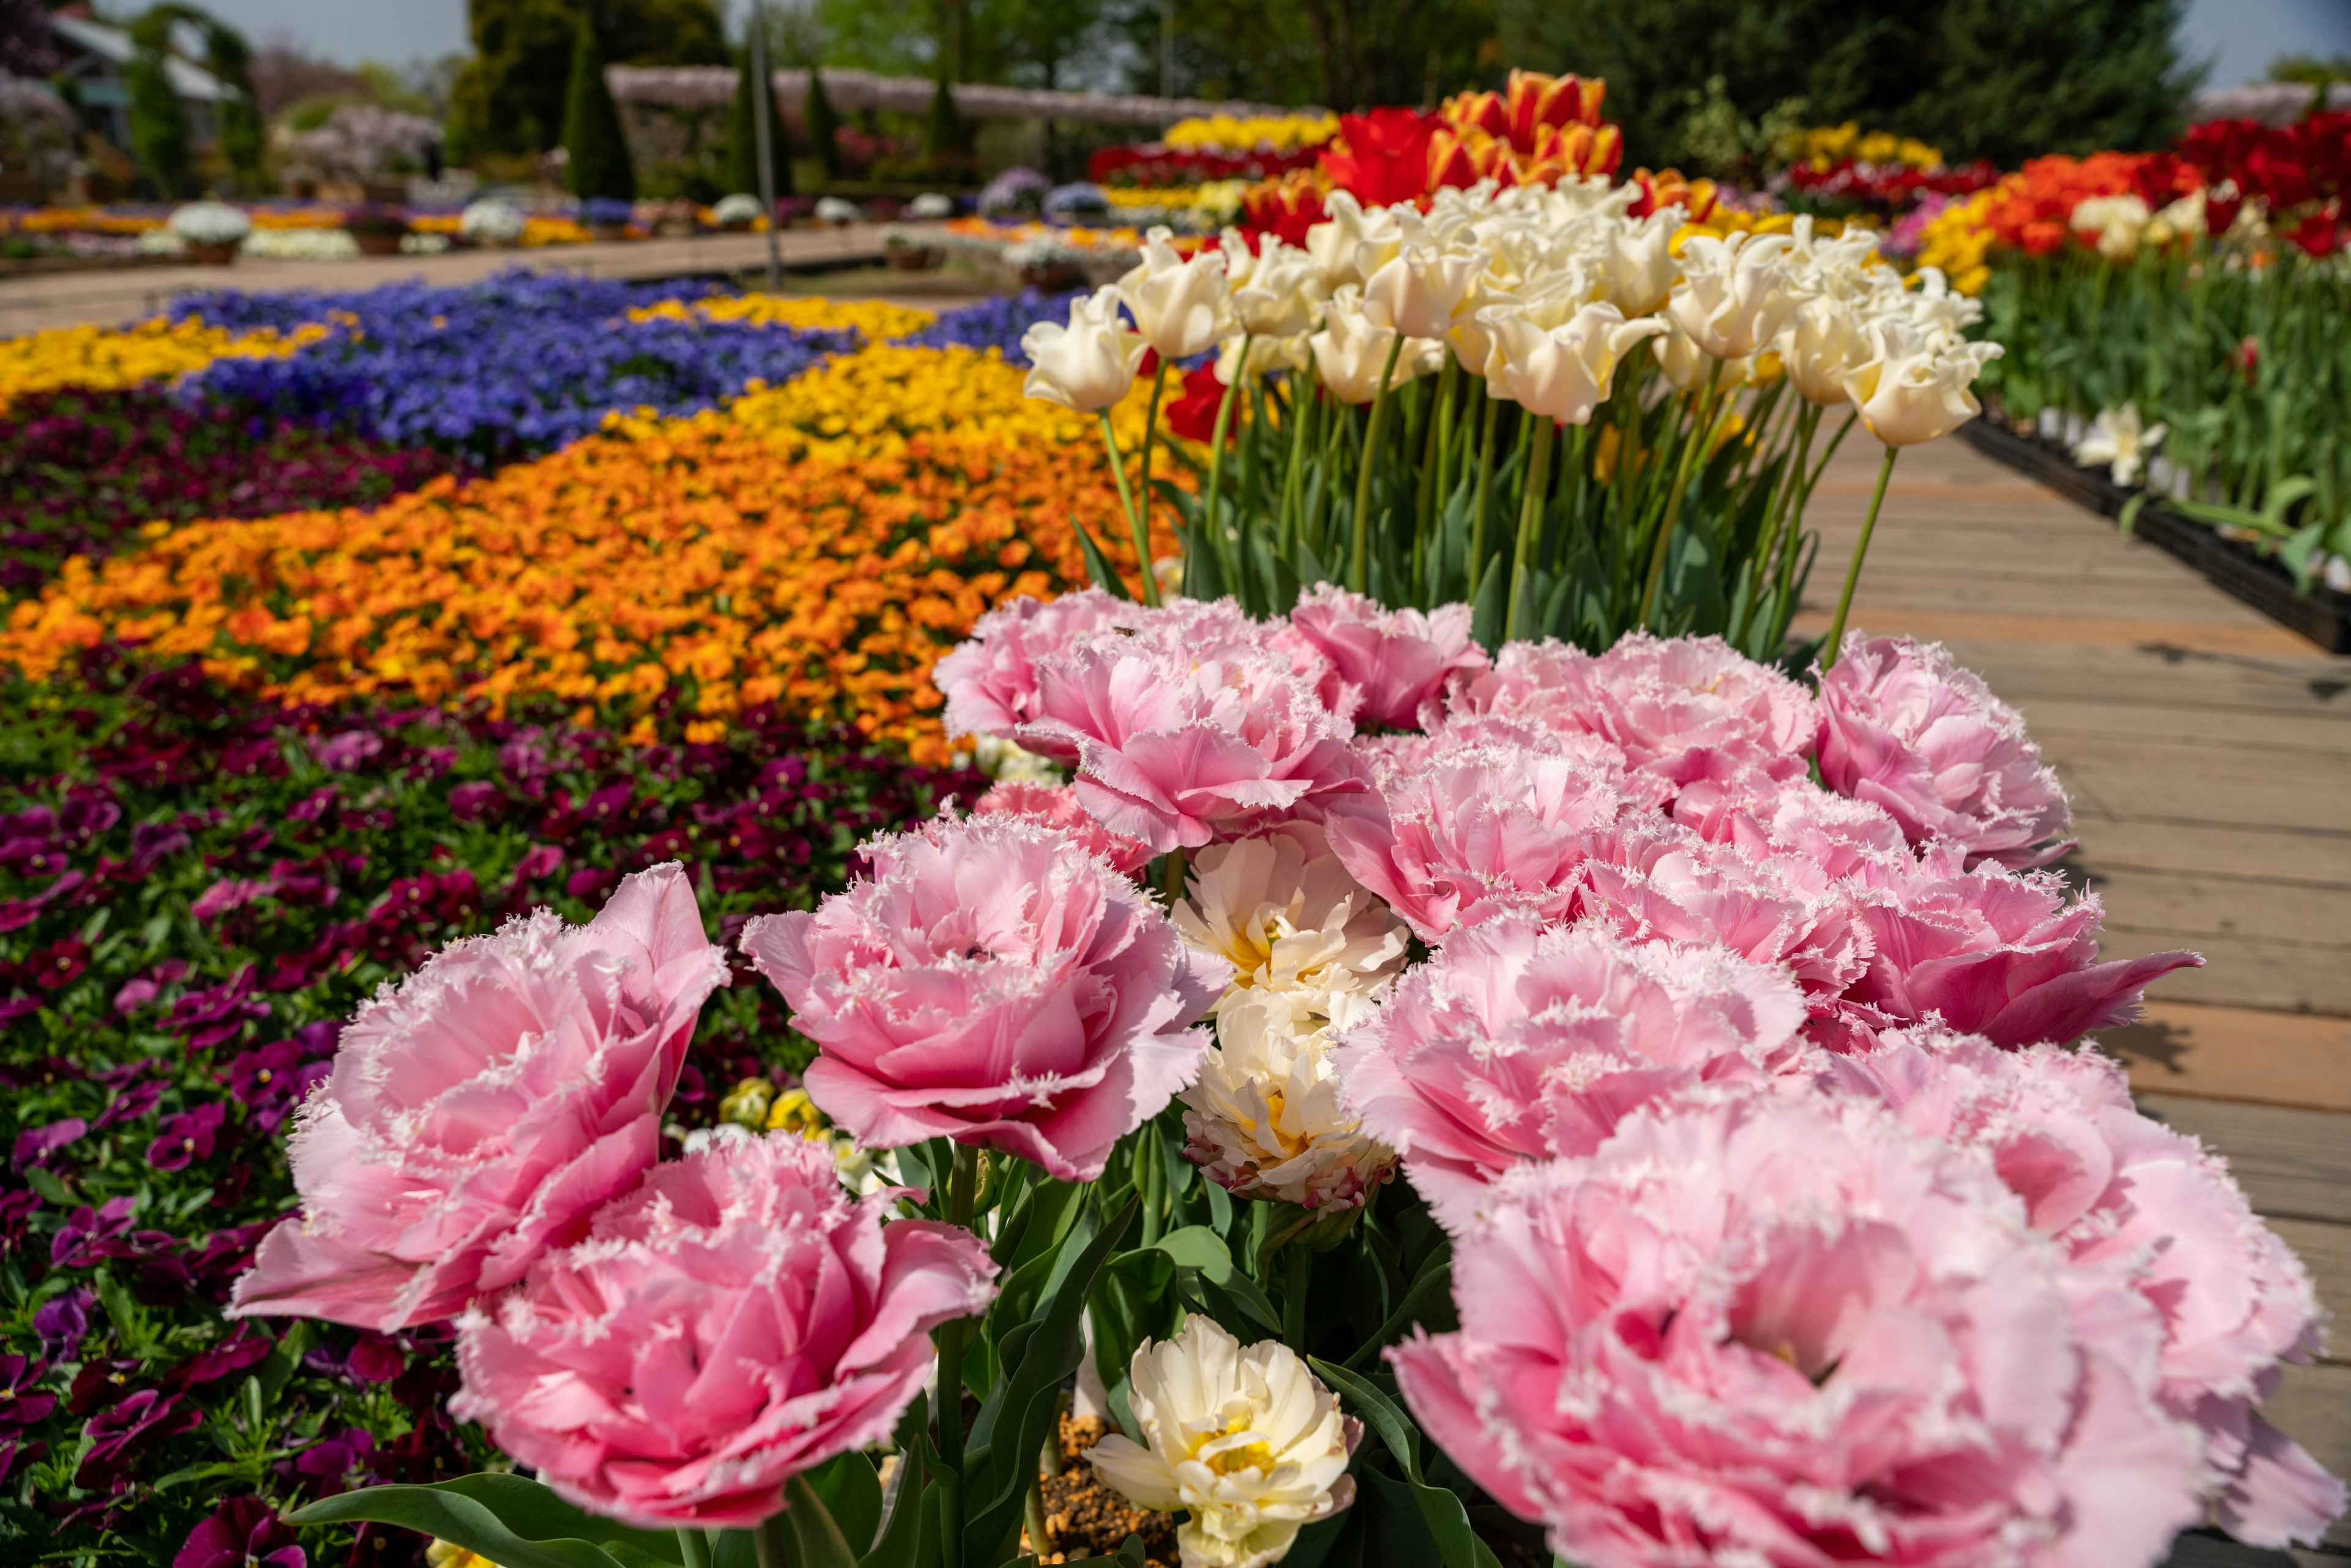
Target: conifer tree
591,125
743,137
823,124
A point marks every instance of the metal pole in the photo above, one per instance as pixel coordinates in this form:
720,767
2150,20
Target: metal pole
763,114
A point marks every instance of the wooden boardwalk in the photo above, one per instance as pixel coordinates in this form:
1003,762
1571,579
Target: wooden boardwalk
2207,752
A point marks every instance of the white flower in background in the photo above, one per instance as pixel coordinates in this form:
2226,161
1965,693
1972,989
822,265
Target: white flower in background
2118,440
1825,343
1333,244
1419,290
1734,293
1276,290
931,204
210,222
1087,365
1181,308
1563,373
495,221
2182,219
1844,268
301,245
1003,761
1289,918
1266,1119
1350,351
836,210
1908,392
2116,220
1943,316
1249,1440
2336,574
1640,265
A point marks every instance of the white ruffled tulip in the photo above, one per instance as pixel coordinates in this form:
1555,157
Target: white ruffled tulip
1684,362
1087,365
1908,391
2116,220
1565,372
1265,355
1181,308
1266,1118
1288,917
1336,244
1249,1440
1419,290
1639,261
1734,293
1350,352
2117,439
1825,343
1276,291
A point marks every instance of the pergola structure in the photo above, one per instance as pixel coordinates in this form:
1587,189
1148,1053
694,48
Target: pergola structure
702,86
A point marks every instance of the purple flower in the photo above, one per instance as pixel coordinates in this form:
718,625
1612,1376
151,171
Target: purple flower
272,1080
334,1463
12,1451
134,995
205,1017
539,860
118,1434
34,1146
132,1104
247,1347
590,881
62,1321
341,753
22,1403
229,893
87,1230
243,1532
59,964
151,842
472,803
190,1135
316,805
318,1038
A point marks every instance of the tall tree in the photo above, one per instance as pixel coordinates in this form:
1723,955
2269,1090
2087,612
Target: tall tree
823,124
592,124
742,135
510,98
230,60
1996,79
158,120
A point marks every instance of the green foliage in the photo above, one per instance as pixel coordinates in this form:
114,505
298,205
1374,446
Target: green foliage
1347,53
159,121
2312,71
510,96
947,138
823,124
2005,79
599,162
742,135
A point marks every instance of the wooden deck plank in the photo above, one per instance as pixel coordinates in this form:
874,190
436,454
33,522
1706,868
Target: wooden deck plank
2313,1406
2300,1062
2325,1250
2292,1164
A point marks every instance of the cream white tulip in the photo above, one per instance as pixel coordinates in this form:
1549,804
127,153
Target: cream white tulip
2116,220
1333,245
1266,1119
1908,392
1265,355
1683,362
1734,293
1827,342
1181,308
1276,292
2117,439
1565,372
1350,352
1246,1439
1640,262
1087,365
1286,914
1420,289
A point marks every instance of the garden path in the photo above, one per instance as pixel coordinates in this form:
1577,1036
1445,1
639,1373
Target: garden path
2208,751
110,297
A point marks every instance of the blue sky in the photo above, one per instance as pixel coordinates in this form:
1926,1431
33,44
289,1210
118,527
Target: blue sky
2241,36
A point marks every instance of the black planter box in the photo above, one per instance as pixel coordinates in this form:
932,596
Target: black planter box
2322,615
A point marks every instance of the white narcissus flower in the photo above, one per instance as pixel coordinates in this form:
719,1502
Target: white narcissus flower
1181,308
1266,1118
1908,392
1288,917
1419,290
1824,343
1563,373
1249,1440
1350,352
2117,438
1275,291
1087,365
1735,293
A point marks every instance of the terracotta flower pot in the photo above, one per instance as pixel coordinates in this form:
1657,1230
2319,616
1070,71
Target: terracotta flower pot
913,258
379,242
212,255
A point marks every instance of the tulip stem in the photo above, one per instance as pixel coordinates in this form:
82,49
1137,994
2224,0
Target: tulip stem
1860,549
1792,481
1216,471
963,1193
1150,435
1135,527
1359,579
1478,506
1172,872
1530,514
1298,1269
1700,429
771,1540
692,1547
1301,421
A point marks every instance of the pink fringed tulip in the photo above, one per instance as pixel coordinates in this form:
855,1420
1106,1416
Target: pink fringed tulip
478,1113
991,983
1517,1043
1994,952
1788,1334
1057,807
2124,1193
733,1321
1905,727
990,681
1176,748
1399,659
1475,831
